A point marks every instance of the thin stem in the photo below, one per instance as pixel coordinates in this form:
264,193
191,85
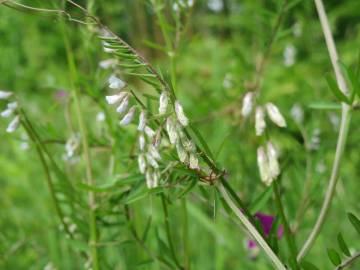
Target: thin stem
252,230
86,154
343,132
349,261
185,234
168,232
288,235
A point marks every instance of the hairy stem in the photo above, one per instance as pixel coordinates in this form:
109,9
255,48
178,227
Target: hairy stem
343,132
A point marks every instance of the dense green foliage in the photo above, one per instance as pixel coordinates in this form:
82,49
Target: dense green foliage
214,65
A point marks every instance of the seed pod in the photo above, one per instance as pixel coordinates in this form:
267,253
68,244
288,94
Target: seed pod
5,94
142,121
163,102
142,163
171,130
116,83
180,114
14,124
141,142
128,117
115,98
275,115
273,160
247,104
123,105
152,161
260,123
194,162
149,132
263,165
154,152
182,154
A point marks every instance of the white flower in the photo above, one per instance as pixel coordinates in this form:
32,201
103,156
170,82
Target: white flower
115,98
141,142
123,105
5,94
142,121
275,115
194,162
273,160
149,179
106,47
263,165
108,63
156,178
151,160
289,55
260,123
171,130
182,154
297,113
247,104
11,107
14,124
163,102
149,132
142,163
100,117
180,114
154,152
116,83
128,117
215,5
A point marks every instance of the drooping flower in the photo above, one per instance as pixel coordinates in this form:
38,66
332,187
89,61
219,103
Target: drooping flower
116,83
14,124
182,154
171,130
142,121
180,114
149,179
142,163
273,160
149,132
163,102
115,98
128,117
151,160
275,115
156,178
123,105
247,104
141,142
154,152
260,123
11,107
5,94
263,165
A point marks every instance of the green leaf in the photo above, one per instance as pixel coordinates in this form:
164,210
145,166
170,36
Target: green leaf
335,89
188,188
334,256
260,201
354,221
320,105
342,244
147,228
308,266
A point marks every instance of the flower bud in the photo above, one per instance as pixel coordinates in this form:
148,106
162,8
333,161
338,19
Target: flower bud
142,121
149,179
273,160
149,132
194,162
5,94
123,105
263,165
260,123
275,115
247,104
116,83
128,117
180,114
115,98
163,102
297,113
182,154
171,130
14,124
142,163
156,178
141,142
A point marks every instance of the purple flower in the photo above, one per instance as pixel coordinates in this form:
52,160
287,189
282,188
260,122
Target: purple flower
61,95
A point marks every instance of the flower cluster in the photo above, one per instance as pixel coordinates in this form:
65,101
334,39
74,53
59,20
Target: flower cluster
10,111
267,157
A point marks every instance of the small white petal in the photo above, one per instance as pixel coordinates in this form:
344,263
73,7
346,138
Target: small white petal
273,160
297,113
142,163
108,63
260,123
275,115
7,113
263,165
171,130
180,114
142,142
115,98
128,117
163,103
123,105
194,162
154,152
149,179
142,121
149,132
100,117
14,124
182,154
5,94
156,178
116,83
13,105
247,104
151,160
106,48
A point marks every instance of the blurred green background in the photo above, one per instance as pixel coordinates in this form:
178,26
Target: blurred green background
215,61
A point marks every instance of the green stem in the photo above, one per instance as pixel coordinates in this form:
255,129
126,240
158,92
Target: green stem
185,234
288,235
